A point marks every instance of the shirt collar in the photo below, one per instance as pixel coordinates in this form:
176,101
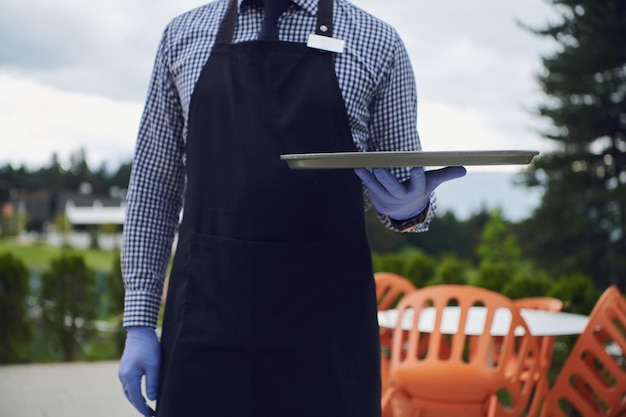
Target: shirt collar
307,5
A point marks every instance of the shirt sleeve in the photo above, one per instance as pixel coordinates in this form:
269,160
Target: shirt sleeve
154,196
394,120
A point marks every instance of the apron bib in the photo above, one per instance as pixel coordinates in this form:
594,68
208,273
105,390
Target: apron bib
271,307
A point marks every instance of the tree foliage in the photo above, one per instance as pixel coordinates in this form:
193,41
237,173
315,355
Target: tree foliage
412,264
528,283
451,270
498,252
577,292
580,225
15,330
60,176
68,293
446,236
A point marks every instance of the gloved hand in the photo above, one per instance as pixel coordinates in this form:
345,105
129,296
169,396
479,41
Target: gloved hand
401,201
142,356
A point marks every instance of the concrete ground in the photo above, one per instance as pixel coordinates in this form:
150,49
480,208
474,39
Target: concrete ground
63,390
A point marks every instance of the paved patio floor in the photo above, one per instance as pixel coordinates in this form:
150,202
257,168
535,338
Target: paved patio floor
63,390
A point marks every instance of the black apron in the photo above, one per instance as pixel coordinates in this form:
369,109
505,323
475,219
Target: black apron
271,307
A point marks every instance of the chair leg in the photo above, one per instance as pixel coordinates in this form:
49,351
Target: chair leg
402,406
492,405
396,404
621,411
538,398
386,403
384,373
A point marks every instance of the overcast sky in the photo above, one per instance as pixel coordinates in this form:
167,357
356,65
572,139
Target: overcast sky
74,73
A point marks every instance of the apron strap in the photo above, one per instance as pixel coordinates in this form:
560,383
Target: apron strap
227,27
324,26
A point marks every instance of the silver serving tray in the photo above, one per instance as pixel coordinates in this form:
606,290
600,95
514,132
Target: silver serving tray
340,160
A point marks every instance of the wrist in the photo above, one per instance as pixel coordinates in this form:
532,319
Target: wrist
145,330
405,225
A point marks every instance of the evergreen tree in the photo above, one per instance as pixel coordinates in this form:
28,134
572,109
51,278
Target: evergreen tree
580,225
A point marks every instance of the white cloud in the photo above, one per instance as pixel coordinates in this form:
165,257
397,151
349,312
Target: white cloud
106,49
37,120
444,127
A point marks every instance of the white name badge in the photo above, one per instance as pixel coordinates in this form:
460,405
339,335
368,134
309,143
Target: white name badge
326,43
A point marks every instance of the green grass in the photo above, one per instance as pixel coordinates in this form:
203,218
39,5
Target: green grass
38,256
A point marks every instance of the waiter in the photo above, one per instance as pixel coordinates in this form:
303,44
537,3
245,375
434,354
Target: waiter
271,306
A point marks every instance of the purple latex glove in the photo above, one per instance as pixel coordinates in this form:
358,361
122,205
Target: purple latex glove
142,356
404,200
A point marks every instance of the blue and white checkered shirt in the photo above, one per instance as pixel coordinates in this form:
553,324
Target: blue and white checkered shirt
378,87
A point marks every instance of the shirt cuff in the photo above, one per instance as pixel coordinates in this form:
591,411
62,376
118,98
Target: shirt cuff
141,308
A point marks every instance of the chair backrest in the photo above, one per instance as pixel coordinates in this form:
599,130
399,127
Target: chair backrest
593,379
475,379
546,343
390,288
540,303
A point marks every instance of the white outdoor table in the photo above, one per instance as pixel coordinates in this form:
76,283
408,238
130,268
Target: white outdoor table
540,323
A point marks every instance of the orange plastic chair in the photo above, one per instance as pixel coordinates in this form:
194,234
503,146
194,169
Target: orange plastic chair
546,343
546,346
540,303
390,288
432,382
592,381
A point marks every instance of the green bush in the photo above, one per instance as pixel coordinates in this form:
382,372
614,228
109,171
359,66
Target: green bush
493,275
414,265
115,297
451,270
115,288
418,268
392,262
528,284
16,331
69,304
578,293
